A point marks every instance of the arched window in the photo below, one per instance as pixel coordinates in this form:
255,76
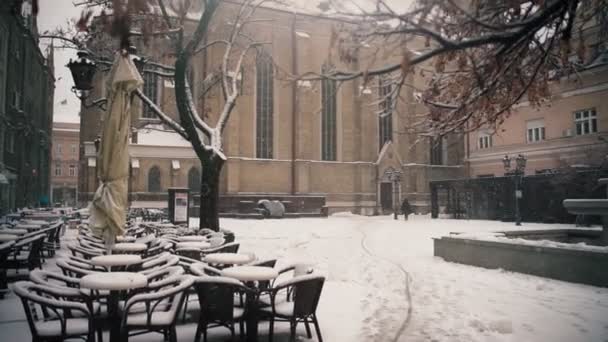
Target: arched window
329,88
194,180
264,77
154,179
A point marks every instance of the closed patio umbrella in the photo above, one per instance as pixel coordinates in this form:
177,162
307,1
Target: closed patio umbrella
109,205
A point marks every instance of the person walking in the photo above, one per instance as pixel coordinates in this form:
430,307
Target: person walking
406,209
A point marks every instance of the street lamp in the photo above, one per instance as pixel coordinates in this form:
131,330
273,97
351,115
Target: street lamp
518,172
83,70
395,177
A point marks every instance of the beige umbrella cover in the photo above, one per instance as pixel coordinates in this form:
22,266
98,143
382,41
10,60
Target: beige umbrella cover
109,205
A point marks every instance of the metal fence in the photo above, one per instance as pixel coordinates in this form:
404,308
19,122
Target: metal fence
493,198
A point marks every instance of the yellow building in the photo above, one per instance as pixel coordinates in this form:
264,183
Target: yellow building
310,144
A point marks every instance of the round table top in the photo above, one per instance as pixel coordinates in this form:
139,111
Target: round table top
191,238
13,231
116,260
250,273
130,247
228,258
113,281
193,244
8,237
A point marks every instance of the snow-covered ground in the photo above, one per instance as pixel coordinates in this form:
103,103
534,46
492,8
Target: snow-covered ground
383,284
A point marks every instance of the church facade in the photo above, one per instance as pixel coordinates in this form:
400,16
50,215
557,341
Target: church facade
295,141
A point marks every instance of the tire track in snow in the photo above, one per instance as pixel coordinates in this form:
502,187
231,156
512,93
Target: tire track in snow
406,276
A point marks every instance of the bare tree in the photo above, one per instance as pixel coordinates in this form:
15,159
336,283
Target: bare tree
479,57
121,20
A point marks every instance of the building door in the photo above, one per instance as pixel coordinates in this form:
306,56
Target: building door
386,196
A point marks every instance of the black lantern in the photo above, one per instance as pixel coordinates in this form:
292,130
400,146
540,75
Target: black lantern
506,162
520,163
97,143
83,69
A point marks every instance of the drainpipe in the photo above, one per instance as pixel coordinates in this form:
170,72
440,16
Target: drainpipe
294,103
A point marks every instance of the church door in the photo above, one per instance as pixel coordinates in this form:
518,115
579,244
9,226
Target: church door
386,196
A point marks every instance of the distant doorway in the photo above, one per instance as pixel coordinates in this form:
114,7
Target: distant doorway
386,196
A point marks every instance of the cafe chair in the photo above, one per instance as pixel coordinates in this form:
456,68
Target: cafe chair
52,319
306,291
156,311
216,297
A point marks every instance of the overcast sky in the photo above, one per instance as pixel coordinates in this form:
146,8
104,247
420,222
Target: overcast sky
55,13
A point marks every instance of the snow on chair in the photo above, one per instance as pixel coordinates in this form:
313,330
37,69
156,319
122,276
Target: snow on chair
156,311
51,318
306,291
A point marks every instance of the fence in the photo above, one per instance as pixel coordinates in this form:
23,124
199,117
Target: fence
493,198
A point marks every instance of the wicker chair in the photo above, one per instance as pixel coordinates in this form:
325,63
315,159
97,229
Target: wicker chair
216,301
306,291
26,253
51,318
5,249
156,311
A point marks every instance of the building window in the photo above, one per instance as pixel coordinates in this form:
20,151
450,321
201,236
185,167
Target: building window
3,66
264,97
58,149
535,130
73,147
72,170
10,141
154,179
437,151
328,116
585,121
385,119
484,141
194,180
151,92
57,169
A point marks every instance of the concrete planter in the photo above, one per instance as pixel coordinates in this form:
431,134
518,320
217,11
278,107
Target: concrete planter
585,267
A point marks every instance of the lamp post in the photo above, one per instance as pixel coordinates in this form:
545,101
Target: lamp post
395,177
83,70
518,172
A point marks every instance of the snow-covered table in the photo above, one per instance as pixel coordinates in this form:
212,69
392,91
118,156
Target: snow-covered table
249,275
8,237
193,244
191,238
129,247
37,222
228,259
113,260
114,282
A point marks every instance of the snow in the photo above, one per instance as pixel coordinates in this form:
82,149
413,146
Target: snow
113,281
130,247
384,284
191,238
193,244
228,258
500,237
7,237
116,260
250,273
156,135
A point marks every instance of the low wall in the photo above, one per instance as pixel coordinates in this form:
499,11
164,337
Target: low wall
585,267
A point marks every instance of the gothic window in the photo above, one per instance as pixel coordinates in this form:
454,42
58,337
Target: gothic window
437,147
264,105
328,116
385,119
154,179
151,91
194,180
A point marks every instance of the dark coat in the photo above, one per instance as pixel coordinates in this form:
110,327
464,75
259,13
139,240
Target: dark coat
406,209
